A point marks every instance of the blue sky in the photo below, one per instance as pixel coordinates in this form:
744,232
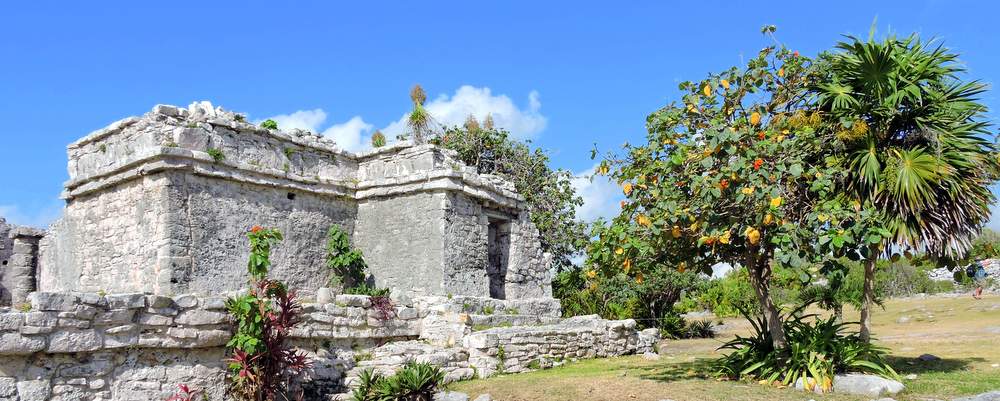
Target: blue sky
567,74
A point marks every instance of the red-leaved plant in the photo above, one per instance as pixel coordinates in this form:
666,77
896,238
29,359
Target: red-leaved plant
187,394
262,362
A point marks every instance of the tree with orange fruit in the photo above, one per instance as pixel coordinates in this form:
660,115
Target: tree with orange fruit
732,173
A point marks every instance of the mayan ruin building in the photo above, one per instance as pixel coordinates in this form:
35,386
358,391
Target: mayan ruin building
123,298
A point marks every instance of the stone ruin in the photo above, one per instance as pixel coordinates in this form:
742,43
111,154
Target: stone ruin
123,298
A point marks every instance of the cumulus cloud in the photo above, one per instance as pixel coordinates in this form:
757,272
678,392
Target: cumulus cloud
601,196
309,120
40,217
453,110
354,134
350,135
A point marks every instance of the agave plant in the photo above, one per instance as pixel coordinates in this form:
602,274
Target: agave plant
913,145
414,382
817,350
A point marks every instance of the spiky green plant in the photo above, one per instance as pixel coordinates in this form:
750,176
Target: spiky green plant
415,381
378,139
914,145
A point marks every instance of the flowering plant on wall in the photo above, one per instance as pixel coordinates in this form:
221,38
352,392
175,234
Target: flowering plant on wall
262,362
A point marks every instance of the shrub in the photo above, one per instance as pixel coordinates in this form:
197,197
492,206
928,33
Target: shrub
415,381
216,155
262,362
650,301
699,329
187,394
379,298
269,124
817,350
347,263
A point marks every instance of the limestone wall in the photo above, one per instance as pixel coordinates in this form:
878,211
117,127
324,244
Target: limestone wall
84,346
517,349
402,241
6,248
465,247
160,204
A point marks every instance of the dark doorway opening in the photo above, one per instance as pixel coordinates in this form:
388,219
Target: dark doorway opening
498,250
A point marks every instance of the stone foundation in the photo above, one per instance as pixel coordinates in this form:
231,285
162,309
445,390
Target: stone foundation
86,346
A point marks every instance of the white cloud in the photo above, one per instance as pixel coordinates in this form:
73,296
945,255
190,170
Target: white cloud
453,110
349,134
354,134
309,120
40,218
601,196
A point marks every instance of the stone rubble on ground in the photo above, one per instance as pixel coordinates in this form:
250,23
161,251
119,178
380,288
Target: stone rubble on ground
860,384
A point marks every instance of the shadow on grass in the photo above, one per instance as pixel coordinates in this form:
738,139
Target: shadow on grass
905,365
700,368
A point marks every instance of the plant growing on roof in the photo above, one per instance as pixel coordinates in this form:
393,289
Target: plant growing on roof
269,124
419,119
378,139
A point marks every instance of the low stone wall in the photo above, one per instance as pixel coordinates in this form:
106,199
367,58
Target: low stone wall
124,347
517,349
83,346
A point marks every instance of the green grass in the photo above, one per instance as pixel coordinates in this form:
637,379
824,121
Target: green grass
965,333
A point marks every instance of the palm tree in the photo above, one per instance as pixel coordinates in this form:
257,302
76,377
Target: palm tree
914,146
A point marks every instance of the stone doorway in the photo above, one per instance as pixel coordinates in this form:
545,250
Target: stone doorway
498,250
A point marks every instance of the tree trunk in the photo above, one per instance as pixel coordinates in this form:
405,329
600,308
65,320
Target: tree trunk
760,279
838,313
868,297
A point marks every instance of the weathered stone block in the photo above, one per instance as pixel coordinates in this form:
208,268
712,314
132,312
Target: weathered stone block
74,341
197,317
186,301
52,301
34,390
18,344
126,301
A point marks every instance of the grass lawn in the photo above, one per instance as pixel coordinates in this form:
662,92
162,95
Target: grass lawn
963,332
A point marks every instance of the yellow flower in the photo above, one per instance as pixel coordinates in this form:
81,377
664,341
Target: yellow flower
619,251
768,219
692,109
676,232
591,274
781,72
822,217
752,235
627,265
779,138
707,90
725,83
776,202
638,278
819,174
603,170
627,188
643,220
682,267
747,190
693,227
724,238
755,118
